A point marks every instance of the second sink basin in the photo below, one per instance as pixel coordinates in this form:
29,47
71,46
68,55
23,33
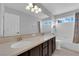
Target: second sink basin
21,44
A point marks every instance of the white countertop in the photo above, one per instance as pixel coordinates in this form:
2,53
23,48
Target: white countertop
6,50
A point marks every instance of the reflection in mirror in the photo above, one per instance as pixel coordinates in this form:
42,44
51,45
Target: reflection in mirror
48,26
15,18
1,19
11,24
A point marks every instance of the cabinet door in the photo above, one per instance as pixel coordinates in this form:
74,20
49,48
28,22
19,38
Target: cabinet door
40,50
45,51
37,51
32,52
54,44
50,47
45,48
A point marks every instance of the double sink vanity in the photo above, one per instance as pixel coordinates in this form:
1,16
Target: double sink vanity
41,45
15,23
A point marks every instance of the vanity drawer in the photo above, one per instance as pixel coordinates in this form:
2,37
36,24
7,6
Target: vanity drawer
45,51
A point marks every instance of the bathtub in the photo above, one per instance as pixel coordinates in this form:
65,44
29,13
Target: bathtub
70,46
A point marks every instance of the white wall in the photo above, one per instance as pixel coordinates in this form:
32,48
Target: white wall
28,23
11,24
1,18
65,31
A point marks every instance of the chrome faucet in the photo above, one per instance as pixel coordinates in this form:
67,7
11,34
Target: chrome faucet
19,37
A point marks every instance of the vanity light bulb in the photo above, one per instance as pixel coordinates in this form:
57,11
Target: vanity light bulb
30,5
39,10
32,10
36,12
35,7
27,8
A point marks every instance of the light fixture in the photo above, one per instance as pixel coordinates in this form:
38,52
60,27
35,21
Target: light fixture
39,10
36,11
33,8
27,8
30,5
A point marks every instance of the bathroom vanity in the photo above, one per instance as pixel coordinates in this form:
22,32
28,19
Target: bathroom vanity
45,49
16,37
41,45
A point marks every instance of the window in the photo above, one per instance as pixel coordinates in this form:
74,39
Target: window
65,20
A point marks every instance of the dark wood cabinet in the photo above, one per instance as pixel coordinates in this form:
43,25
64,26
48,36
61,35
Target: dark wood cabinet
50,47
54,43
37,51
45,49
24,54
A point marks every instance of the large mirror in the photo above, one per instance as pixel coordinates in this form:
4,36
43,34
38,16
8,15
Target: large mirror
14,19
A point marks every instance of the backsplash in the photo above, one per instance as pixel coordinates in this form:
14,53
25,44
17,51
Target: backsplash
14,38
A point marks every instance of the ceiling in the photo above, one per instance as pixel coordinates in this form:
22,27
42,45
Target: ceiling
51,8
59,8
21,7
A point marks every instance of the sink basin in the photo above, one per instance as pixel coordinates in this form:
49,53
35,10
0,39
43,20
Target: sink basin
33,34
21,44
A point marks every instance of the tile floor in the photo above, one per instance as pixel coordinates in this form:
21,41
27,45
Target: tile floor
65,52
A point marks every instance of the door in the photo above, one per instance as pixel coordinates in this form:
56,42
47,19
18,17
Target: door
11,24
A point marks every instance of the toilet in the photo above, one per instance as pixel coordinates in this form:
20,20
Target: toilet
58,44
